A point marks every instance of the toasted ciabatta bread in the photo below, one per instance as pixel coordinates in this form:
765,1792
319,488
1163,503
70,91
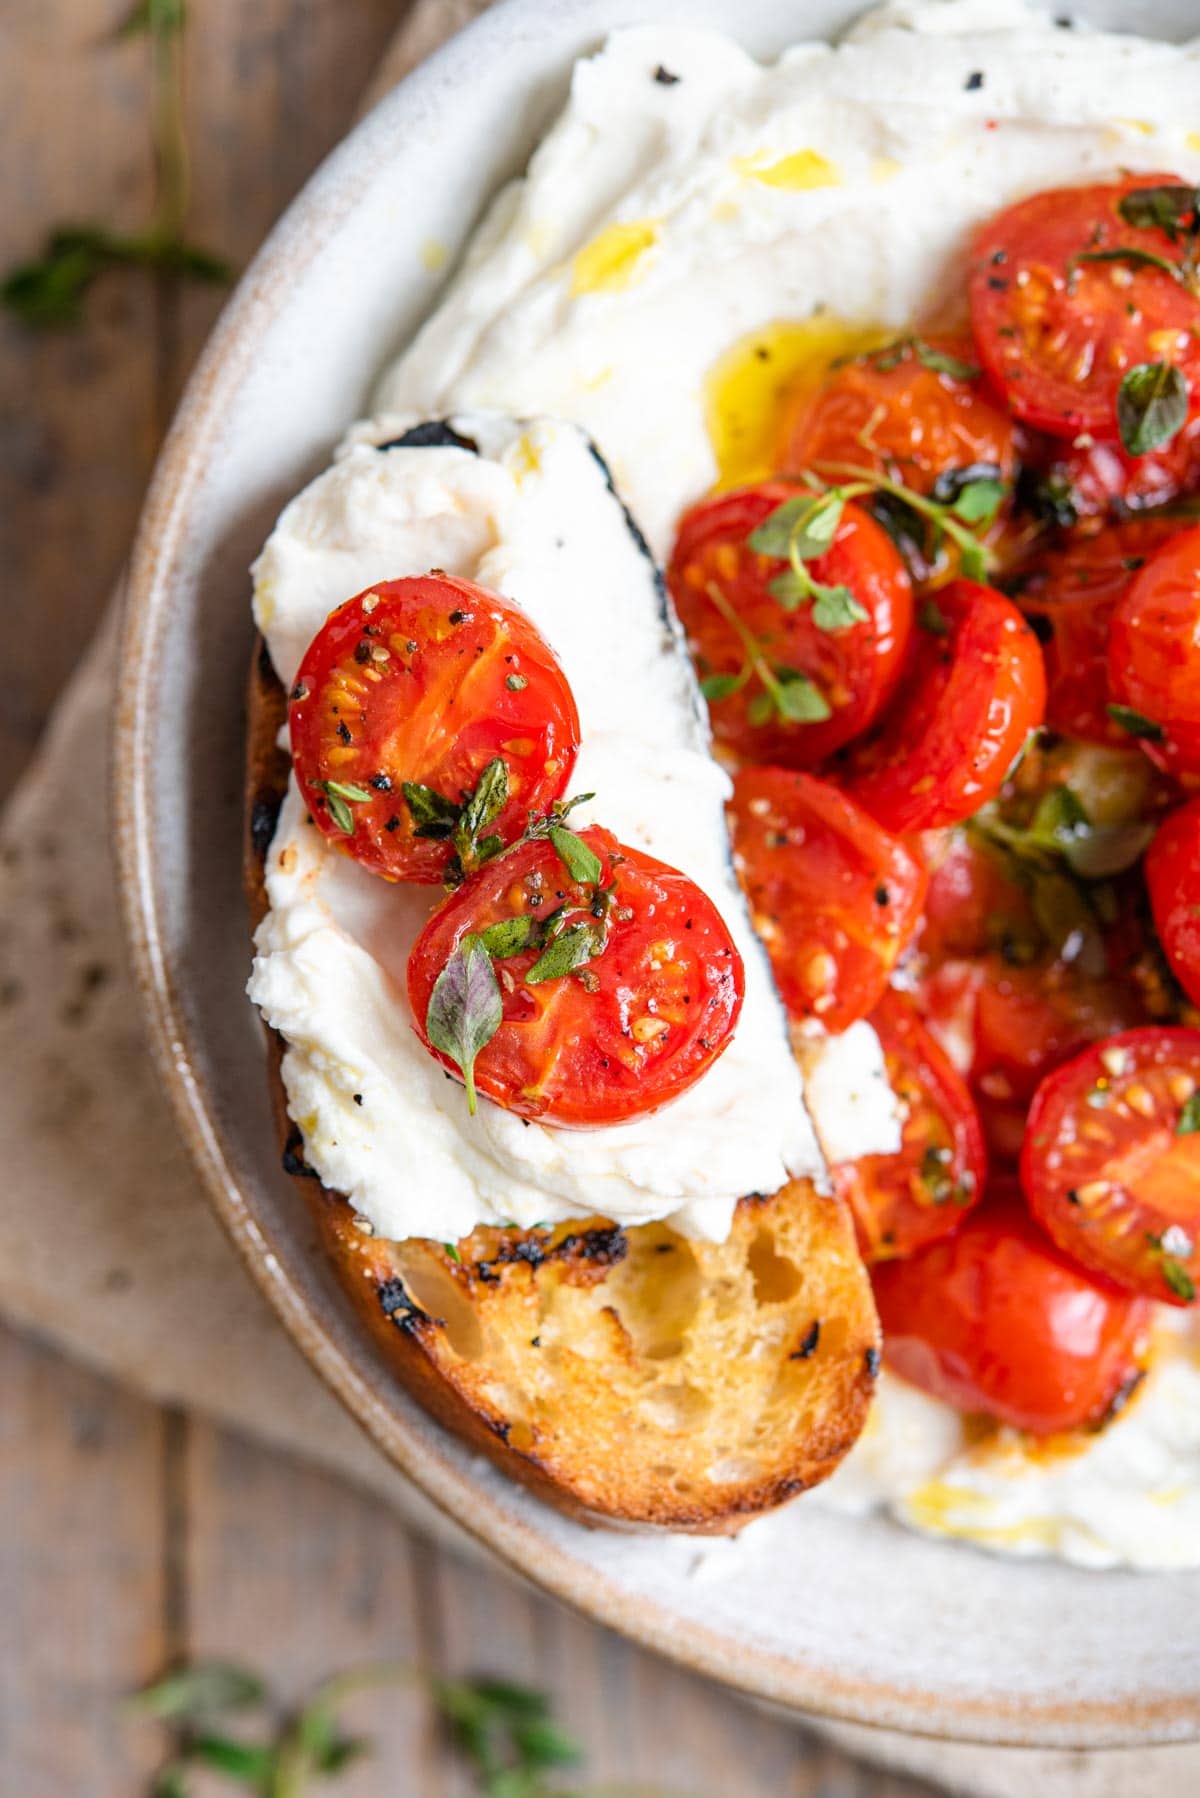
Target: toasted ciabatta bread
624,1374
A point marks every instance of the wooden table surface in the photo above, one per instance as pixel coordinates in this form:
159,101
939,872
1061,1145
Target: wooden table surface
129,1534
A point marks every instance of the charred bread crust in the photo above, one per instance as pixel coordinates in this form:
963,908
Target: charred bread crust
471,1333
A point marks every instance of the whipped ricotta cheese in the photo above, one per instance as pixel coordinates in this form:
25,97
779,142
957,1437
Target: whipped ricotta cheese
659,224
531,515
1127,1495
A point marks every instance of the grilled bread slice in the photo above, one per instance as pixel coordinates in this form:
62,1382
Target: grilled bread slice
627,1375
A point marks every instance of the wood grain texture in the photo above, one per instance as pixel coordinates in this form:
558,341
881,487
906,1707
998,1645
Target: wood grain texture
82,1557
129,1535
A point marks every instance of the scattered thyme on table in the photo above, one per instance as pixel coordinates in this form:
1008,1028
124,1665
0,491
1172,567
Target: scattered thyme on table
48,291
505,1732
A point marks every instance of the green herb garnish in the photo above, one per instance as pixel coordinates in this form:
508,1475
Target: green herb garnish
1152,406
892,354
577,944
1189,1117
1136,723
464,1010
505,1732
433,815
340,796
49,291
581,862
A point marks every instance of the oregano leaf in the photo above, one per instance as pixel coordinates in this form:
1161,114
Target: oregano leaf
1152,406
464,1010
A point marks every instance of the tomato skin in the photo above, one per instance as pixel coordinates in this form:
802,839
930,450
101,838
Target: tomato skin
574,1054
855,669
971,902
408,681
899,1202
1057,334
967,703
1172,870
903,419
1102,479
1107,1180
996,1319
1070,595
1153,664
834,896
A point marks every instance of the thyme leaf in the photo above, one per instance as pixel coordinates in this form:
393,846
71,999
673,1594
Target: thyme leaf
1136,723
433,815
48,291
577,944
581,862
340,796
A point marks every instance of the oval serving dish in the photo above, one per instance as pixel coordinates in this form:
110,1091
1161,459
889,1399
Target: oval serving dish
861,1620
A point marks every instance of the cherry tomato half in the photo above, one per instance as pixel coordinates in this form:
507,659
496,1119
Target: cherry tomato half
996,1319
1070,595
849,672
1111,1163
649,1005
1172,869
912,411
834,897
1059,319
973,690
902,1202
1153,657
426,680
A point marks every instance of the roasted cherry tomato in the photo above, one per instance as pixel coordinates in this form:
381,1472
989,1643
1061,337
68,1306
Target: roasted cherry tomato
781,688
1059,319
1172,869
427,681
1153,664
902,1202
834,896
1070,595
913,411
996,1319
616,992
1111,1163
972,903
1094,480
1029,1020
974,689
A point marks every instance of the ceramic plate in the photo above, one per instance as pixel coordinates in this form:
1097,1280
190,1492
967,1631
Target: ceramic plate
861,1620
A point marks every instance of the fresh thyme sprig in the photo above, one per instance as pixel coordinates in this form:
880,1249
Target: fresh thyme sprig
971,500
49,290
506,1732
787,693
801,531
